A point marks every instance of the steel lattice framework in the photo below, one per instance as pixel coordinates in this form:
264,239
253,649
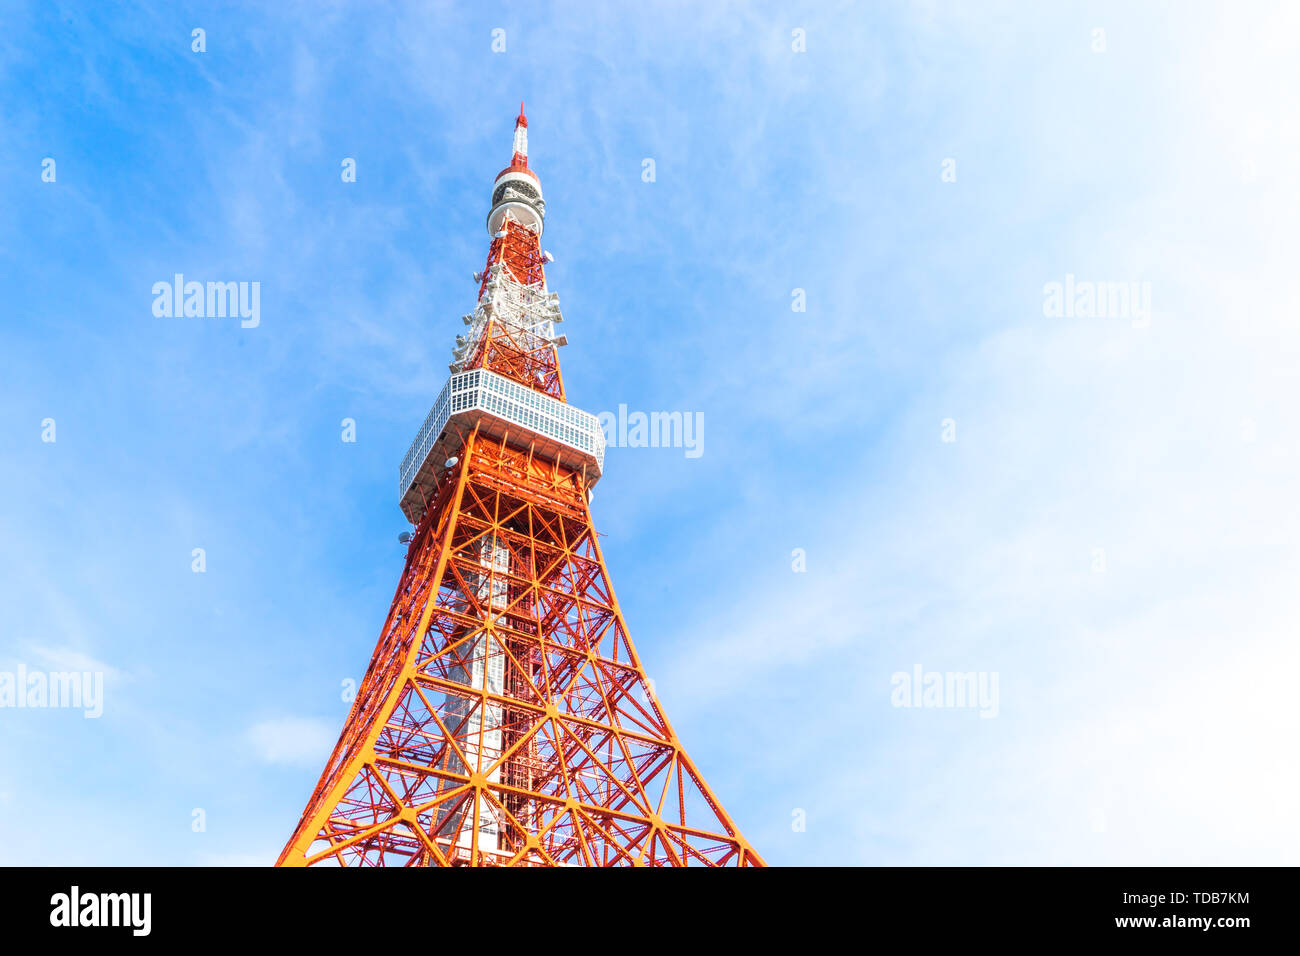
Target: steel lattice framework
505,718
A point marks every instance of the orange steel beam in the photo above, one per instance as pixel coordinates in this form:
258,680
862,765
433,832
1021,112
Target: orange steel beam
607,783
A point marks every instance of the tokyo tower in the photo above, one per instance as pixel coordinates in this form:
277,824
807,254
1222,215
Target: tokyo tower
505,718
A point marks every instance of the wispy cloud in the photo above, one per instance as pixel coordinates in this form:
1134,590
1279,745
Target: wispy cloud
293,741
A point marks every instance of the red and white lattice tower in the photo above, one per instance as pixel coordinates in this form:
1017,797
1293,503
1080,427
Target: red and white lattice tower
505,718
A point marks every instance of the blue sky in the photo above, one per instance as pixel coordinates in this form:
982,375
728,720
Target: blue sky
1145,708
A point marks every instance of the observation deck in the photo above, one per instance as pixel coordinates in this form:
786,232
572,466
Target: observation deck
505,410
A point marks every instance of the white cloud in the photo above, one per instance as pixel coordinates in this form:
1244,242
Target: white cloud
68,659
294,741
1147,711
